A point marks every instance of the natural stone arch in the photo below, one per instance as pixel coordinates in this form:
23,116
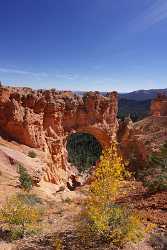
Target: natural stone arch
99,134
44,119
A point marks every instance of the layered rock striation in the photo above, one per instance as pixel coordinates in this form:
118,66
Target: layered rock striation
45,118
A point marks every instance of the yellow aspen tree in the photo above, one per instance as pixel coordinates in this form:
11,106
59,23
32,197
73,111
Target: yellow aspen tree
102,216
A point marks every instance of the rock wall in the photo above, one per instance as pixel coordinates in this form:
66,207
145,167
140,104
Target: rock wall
131,145
45,118
159,106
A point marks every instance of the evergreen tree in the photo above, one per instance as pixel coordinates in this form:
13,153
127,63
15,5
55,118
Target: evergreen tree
24,178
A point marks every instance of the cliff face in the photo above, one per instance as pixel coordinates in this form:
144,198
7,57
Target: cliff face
132,146
159,106
45,118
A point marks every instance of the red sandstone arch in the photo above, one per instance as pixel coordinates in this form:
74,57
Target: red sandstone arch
45,118
99,134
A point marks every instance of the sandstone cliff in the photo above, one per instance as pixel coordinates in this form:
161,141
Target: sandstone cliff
45,118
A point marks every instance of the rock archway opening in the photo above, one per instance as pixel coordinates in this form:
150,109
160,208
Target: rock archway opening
84,150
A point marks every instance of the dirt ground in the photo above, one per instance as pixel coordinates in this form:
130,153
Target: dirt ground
62,209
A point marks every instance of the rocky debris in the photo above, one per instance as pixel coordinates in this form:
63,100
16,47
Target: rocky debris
37,177
73,183
152,206
71,240
158,239
152,132
7,246
45,118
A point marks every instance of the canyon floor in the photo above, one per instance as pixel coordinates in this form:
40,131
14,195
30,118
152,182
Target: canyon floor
63,207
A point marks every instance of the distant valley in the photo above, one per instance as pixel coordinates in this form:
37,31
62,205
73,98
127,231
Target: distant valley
137,103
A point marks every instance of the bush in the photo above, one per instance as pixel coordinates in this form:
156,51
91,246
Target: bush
58,243
102,217
158,240
24,178
157,184
19,217
154,176
32,154
29,199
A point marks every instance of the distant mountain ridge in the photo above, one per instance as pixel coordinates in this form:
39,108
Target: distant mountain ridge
138,95
142,95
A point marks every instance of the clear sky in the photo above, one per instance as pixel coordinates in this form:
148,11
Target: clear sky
84,44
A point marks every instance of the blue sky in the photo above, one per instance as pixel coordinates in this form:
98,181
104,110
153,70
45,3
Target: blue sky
84,44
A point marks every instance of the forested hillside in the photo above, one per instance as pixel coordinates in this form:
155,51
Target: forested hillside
136,109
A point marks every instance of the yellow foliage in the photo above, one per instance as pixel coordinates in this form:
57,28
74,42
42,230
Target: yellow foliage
109,175
17,215
150,227
58,244
101,215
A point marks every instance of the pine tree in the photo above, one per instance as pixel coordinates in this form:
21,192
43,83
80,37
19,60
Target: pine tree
24,178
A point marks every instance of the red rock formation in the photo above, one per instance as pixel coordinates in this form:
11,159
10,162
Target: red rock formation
159,106
132,148
45,118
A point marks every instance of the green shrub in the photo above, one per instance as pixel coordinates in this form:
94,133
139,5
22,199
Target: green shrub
32,154
154,175
19,217
125,225
30,199
24,178
16,233
157,184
